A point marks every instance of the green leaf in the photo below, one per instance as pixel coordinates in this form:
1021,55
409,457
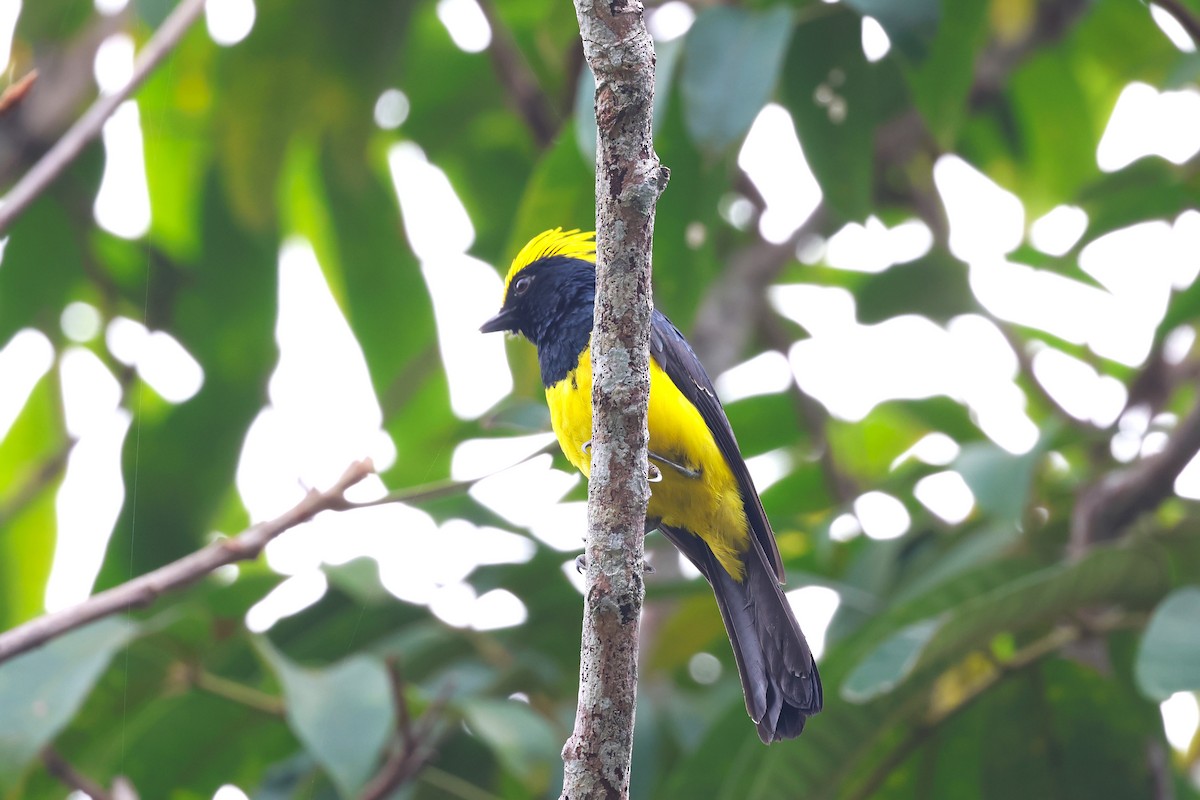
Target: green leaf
561,191
941,81
890,663
911,25
1168,660
222,309
831,91
153,12
523,740
1059,158
934,286
999,480
28,456
40,691
42,265
730,67
343,713
834,744
1064,730
1132,578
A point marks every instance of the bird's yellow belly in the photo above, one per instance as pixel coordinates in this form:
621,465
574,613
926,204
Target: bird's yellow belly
708,505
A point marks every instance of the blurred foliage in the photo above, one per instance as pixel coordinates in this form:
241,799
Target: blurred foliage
965,661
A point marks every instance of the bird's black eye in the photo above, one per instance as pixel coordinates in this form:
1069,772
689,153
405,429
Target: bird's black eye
522,285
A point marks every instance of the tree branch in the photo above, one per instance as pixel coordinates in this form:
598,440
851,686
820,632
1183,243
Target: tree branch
57,766
1183,16
15,92
1105,508
145,589
629,180
88,127
414,745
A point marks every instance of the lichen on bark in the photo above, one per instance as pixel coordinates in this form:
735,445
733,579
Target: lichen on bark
629,180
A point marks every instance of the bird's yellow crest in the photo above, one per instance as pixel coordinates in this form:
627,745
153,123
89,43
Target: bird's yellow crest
557,242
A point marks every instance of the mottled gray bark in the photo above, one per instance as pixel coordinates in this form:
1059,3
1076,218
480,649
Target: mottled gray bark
629,180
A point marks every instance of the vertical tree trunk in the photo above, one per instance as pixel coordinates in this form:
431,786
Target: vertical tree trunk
629,180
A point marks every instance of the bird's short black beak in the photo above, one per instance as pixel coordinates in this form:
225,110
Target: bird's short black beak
504,321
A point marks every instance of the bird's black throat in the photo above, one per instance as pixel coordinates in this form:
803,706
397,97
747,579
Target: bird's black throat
554,311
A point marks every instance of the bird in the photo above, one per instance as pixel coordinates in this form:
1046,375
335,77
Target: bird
701,495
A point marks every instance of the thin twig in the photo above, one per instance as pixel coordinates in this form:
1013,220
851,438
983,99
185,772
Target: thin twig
236,692
414,745
415,495
38,479
454,786
88,127
399,698
145,589
1023,659
1183,16
16,91
57,766
1108,506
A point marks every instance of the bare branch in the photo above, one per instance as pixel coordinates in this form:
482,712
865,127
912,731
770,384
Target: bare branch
16,91
414,746
1183,16
41,476
57,766
439,489
145,589
88,127
629,180
1105,508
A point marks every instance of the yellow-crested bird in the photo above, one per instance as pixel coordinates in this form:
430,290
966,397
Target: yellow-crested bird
701,497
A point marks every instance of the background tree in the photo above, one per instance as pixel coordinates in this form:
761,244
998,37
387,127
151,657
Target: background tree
1009,631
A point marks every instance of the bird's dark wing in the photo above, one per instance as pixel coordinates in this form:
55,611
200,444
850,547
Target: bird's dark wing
676,358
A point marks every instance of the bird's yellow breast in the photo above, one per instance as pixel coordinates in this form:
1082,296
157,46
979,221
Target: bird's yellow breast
709,505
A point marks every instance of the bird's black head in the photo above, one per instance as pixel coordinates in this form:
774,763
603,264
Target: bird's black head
548,299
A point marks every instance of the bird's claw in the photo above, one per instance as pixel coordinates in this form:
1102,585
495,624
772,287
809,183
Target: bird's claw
653,473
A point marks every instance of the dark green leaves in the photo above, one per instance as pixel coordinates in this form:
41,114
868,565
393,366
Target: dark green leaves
1169,658
999,480
42,266
729,71
890,663
342,714
40,691
831,91
525,742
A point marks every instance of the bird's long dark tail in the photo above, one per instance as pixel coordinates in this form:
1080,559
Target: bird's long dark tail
779,676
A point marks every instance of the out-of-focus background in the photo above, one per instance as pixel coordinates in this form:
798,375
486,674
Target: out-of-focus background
940,258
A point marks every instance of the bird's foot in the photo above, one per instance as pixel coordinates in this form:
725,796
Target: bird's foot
654,474
686,472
